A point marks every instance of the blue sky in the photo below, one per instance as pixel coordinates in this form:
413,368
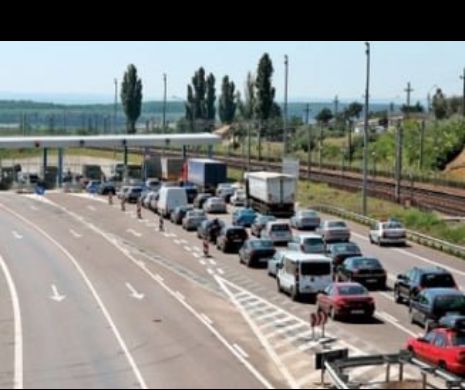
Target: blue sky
318,70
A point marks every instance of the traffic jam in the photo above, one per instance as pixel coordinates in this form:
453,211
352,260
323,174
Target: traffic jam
312,260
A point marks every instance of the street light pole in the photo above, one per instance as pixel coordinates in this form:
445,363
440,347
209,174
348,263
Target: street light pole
365,134
463,102
164,102
286,69
116,105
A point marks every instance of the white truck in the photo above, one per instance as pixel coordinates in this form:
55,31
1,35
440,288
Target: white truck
271,193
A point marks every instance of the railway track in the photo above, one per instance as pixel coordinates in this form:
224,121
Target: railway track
447,200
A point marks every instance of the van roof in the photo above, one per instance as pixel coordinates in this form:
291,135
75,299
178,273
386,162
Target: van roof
268,175
306,257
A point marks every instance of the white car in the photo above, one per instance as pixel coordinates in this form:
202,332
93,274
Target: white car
215,205
390,232
278,232
225,191
239,198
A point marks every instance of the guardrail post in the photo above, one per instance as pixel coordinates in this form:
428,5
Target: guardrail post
388,373
401,372
424,381
323,369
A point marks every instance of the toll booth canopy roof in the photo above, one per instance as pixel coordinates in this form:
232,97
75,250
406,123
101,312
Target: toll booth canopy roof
120,140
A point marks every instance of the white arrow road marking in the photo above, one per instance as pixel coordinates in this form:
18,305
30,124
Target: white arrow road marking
76,235
134,233
134,292
17,235
56,296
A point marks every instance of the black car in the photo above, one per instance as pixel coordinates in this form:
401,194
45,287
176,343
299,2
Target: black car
408,285
209,229
200,199
259,224
367,271
134,194
256,252
431,304
231,238
341,251
191,193
179,213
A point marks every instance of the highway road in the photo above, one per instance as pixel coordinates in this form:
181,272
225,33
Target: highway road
215,321
92,319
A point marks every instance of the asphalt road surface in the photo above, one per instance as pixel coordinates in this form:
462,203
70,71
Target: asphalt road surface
106,300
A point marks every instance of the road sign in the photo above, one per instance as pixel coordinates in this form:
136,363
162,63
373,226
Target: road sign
291,166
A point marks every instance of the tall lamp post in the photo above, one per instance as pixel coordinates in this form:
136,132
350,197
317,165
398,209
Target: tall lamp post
286,69
365,133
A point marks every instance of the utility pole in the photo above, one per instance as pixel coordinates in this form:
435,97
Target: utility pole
365,134
409,90
248,147
164,102
422,142
463,102
286,70
307,113
116,106
309,144
399,147
321,147
336,103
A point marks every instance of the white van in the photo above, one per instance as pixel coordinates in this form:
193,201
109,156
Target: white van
169,199
304,274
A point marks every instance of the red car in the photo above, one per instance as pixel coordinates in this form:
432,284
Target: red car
346,300
442,347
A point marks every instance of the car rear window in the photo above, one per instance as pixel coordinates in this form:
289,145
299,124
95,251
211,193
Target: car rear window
450,303
337,224
280,228
261,244
346,248
370,263
196,213
236,233
313,241
392,225
437,280
315,268
352,290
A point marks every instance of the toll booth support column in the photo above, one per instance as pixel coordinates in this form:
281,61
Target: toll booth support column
60,167
184,152
210,151
45,160
125,173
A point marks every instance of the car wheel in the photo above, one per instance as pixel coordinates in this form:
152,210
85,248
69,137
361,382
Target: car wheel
295,294
442,366
397,297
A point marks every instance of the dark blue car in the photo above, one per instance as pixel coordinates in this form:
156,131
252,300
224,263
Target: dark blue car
244,217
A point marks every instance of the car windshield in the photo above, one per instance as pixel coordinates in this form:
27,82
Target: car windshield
236,233
352,290
437,280
261,244
337,224
196,214
313,241
216,201
369,263
392,225
280,228
458,339
315,268
450,303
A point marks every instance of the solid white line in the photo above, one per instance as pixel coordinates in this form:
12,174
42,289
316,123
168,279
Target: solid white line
394,323
180,296
387,296
205,317
387,315
241,351
17,235
18,333
215,332
76,235
159,278
96,296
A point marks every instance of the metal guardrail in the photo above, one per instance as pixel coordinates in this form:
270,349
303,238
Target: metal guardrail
419,238
335,369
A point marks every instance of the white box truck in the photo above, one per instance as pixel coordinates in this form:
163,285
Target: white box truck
271,193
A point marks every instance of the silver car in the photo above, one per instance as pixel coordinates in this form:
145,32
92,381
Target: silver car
215,205
305,219
193,219
391,232
278,232
308,243
334,231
